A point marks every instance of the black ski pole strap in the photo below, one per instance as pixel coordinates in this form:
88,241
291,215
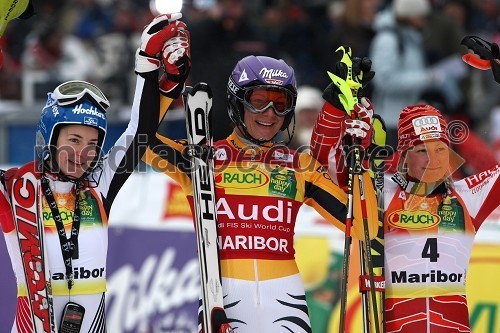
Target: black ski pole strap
69,247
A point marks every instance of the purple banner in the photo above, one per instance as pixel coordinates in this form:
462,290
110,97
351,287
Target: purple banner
153,282
8,289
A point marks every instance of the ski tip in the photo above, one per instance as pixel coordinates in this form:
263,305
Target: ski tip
200,86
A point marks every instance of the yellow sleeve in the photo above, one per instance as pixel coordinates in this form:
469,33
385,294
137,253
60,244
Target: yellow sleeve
165,103
330,200
357,230
166,155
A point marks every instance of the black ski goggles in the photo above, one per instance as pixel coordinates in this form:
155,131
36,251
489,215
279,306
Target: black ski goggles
72,92
258,99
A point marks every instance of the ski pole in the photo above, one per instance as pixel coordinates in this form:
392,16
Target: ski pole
347,246
367,264
364,297
346,87
355,82
365,247
377,156
367,258
349,87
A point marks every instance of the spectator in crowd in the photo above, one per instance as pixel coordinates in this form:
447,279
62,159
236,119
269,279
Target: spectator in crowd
61,57
309,103
354,29
397,52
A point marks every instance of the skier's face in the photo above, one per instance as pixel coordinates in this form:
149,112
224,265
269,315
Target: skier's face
266,124
76,149
429,162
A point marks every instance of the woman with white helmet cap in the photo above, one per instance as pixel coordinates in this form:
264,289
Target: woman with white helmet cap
309,103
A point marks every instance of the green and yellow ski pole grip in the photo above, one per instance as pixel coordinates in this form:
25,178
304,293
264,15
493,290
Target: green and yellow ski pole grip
348,85
379,140
379,133
10,10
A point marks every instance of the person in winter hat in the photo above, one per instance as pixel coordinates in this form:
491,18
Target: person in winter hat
403,72
260,185
429,226
423,125
309,103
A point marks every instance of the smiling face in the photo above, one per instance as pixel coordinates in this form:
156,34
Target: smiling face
266,124
76,149
429,162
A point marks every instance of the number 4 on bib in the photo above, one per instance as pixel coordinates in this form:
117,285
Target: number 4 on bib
430,250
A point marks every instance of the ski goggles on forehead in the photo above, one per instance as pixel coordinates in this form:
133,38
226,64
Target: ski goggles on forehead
260,98
74,91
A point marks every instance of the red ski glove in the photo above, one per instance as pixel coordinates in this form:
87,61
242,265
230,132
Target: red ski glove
154,36
360,124
330,131
176,58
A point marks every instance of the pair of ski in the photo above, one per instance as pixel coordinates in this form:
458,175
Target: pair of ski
371,280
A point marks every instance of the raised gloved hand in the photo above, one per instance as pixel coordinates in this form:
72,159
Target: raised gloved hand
349,76
359,126
487,55
154,36
357,132
176,58
495,62
361,69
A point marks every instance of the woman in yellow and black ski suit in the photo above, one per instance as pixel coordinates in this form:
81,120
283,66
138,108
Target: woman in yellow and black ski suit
260,186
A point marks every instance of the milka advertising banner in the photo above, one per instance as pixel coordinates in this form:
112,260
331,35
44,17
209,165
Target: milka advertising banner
153,278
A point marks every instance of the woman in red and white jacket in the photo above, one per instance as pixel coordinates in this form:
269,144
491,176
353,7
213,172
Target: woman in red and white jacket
430,220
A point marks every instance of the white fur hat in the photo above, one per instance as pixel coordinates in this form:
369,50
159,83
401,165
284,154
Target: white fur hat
411,8
308,98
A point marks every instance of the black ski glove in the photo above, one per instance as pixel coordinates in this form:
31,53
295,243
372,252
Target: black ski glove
495,62
361,73
488,55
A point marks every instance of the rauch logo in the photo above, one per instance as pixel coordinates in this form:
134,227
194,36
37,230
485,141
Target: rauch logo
414,220
233,178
